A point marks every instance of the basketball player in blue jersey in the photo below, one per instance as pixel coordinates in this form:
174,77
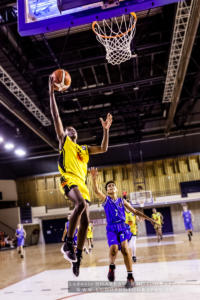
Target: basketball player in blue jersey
188,218
65,233
20,235
72,166
116,228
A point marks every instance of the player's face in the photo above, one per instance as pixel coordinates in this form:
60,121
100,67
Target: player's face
72,133
111,188
185,208
154,210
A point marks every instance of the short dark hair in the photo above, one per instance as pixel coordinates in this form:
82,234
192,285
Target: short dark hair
107,183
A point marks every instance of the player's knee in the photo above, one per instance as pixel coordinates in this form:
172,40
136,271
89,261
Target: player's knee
113,251
124,250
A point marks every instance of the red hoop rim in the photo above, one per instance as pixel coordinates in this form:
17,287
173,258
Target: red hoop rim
117,35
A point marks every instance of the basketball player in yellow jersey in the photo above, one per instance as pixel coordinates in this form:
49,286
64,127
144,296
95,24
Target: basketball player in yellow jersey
90,236
73,168
132,220
158,217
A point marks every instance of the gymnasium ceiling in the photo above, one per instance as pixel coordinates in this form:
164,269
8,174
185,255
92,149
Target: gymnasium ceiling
131,92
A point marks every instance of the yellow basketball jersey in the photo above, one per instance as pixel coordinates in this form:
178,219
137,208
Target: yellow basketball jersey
73,159
131,221
157,218
89,232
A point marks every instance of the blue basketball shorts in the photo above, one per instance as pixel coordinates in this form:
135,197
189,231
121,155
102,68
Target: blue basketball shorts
129,234
188,226
20,242
116,234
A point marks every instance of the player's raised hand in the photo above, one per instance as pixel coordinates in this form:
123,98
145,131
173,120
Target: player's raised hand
107,123
94,172
51,84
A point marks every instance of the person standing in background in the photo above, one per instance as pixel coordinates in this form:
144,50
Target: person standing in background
188,218
20,235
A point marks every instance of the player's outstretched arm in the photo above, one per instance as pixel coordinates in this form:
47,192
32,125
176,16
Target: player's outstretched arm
55,114
138,213
94,174
104,145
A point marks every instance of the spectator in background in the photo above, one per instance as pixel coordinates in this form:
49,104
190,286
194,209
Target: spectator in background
2,242
9,241
124,195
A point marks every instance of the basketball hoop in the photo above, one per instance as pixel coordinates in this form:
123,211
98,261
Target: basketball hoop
116,35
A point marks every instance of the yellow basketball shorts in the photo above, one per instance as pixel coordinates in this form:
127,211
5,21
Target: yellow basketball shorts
133,229
157,226
69,181
90,235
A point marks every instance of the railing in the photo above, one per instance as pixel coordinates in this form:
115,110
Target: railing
7,226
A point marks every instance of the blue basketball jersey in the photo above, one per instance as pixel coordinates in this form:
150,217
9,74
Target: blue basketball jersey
187,216
114,210
20,233
76,231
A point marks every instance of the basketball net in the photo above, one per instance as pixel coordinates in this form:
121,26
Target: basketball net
116,35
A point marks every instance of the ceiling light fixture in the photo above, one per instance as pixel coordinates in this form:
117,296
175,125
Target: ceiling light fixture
9,146
20,152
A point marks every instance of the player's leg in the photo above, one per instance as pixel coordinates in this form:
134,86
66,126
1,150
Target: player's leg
128,263
81,237
85,250
22,251
80,205
113,244
112,257
92,245
160,232
157,233
18,248
132,246
189,235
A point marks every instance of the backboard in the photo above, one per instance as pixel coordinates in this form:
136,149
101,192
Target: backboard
43,16
141,198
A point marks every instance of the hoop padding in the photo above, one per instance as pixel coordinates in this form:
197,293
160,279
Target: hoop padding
116,35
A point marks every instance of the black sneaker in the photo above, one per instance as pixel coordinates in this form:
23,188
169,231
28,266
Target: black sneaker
68,252
134,259
130,283
76,266
19,251
22,256
111,273
92,245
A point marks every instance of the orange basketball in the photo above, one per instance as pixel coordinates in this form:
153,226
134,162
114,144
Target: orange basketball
62,80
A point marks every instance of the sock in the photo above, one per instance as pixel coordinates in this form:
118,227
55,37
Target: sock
130,275
112,266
